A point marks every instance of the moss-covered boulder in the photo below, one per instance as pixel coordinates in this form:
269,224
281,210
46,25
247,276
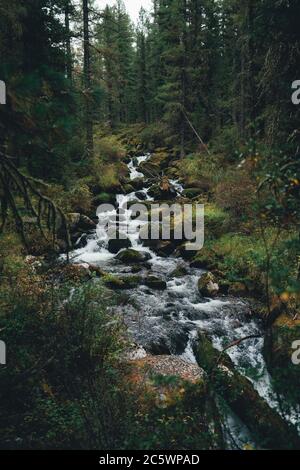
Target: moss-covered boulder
131,256
164,248
117,244
180,271
269,428
138,183
121,282
128,188
186,251
204,259
79,222
154,282
207,285
104,198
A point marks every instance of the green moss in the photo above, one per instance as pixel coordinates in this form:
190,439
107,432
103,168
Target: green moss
131,256
217,221
124,282
239,258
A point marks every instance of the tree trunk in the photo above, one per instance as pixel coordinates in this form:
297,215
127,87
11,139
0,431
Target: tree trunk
87,81
68,41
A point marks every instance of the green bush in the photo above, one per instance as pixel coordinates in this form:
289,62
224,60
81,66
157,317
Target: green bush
154,136
217,222
109,149
62,388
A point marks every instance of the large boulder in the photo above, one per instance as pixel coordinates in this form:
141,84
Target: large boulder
138,183
180,271
121,282
154,282
131,256
128,188
164,248
141,195
207,285
104,198
117,244
80,222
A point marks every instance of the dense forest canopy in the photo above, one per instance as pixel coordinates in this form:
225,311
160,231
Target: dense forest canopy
227,65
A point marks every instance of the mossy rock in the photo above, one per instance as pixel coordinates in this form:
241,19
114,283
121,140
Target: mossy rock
128,188
161,158
160,194
165,248
205,258
180,271
173,173
104,198
154,282
117,244
136,268
131,256
138,183
207,285
185,250
121,282
80,222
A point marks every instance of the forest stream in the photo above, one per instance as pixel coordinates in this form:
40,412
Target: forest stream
166,320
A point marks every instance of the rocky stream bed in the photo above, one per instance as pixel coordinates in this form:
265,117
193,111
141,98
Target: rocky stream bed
165,311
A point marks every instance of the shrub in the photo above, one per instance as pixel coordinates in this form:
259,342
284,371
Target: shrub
199,170
107,177
236,194
154,136
109,149
217,221
78,198
62,389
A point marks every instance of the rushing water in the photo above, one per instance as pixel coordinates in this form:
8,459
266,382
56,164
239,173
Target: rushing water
166,322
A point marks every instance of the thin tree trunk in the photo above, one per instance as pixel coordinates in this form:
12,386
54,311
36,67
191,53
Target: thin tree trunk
68,40
87,81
